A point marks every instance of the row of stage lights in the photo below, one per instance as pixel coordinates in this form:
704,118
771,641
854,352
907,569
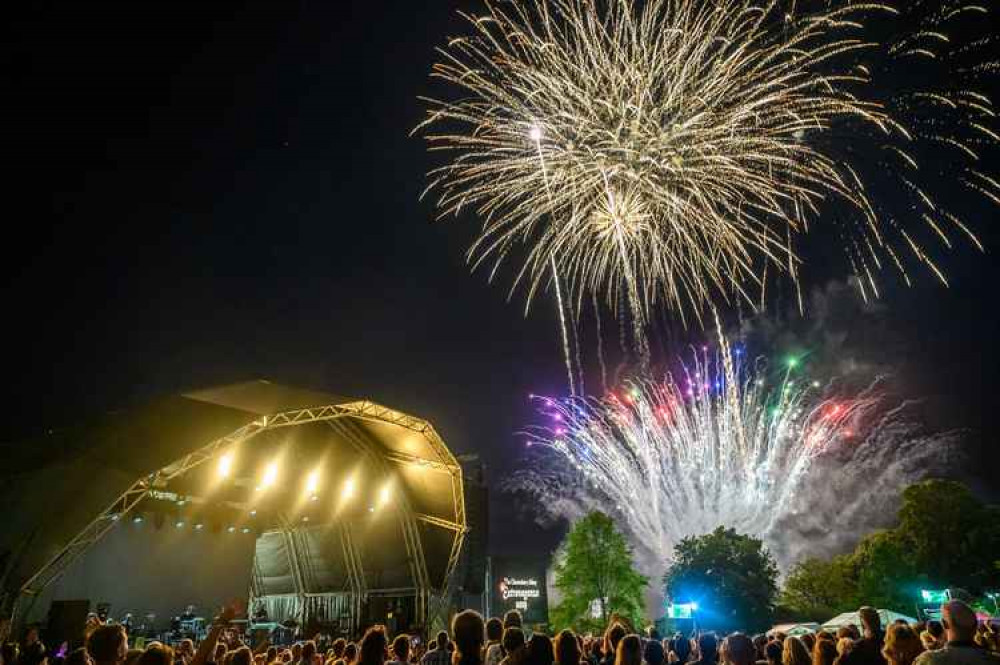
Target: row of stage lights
266,481
197,526
269,478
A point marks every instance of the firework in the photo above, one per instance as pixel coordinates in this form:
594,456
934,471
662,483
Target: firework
674,151
727,442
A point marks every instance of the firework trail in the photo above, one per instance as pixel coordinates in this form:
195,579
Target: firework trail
673,152
729,442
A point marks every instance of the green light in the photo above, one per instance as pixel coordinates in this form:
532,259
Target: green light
681,610
935,596
793,362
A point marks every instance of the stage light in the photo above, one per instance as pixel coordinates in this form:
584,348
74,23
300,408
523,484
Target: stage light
348,490
199,526
137,519
383,495
246,529
225,465
270,475
231,529
253,512
535,133
179,525
312,483
305,519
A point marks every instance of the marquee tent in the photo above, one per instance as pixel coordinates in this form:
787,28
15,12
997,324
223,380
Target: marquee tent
847,618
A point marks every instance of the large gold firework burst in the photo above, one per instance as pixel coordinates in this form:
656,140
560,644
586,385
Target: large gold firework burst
672,151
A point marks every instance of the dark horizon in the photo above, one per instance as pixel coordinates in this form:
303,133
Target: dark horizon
211,194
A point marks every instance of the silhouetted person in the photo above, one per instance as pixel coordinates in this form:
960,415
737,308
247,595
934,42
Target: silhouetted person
708,649
108,645
469,634
494,634
540,651
960,627
738,649
568,649
513,646
868,649
629,651
438,653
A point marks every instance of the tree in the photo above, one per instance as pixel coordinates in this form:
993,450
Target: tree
594,569
951,537
731,577
884,570
945,537
818,589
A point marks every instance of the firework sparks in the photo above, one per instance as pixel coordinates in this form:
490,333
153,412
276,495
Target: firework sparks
673,151
727,442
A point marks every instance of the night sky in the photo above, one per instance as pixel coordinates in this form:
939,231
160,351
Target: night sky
202,193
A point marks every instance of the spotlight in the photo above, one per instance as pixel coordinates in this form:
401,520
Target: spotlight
270,475
348,490
179,524
383,495
246,529
225,465
137,519
231,529
312,483
535,133
199,526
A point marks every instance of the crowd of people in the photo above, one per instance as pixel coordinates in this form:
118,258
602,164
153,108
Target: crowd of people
957,639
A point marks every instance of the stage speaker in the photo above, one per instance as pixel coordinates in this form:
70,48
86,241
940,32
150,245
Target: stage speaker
67,619
477,540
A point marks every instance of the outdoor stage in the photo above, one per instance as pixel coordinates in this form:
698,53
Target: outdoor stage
323,513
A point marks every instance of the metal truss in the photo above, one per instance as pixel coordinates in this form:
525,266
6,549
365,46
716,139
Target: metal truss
437,521
90,534
366,446
290,537
355,573
209,452
338,416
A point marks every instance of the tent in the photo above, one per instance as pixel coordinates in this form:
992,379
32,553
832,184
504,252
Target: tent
847,618
794,628
385,511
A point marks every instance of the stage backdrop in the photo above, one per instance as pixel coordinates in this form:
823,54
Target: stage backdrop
140,569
